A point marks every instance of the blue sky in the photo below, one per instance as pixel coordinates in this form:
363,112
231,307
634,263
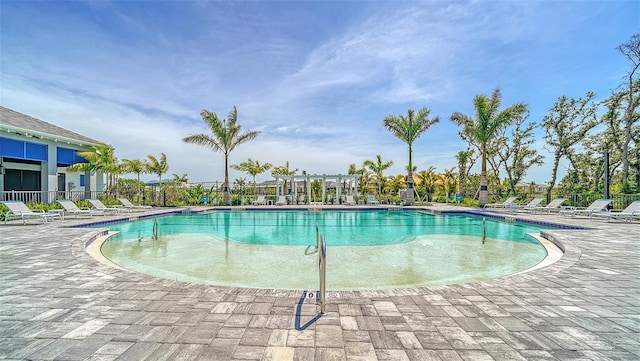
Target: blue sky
316,78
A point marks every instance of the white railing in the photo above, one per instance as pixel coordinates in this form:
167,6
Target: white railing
46,196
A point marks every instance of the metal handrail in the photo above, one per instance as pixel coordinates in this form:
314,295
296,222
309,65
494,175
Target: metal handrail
484,230
322,264
155,229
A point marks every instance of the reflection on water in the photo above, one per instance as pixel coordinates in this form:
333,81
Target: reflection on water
341,228
267,249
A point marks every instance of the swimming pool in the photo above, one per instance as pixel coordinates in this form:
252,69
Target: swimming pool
365,249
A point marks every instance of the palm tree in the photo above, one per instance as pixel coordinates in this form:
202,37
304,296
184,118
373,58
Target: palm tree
427,181
353,170
447,181
158,166
464,157
102,159
394,184
252,168
226,137
180,180
408,129
284,170
138,167
378,167
488,123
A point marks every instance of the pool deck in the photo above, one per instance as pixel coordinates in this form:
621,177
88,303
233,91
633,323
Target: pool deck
59,303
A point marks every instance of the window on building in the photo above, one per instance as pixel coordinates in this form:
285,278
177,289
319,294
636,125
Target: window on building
21,180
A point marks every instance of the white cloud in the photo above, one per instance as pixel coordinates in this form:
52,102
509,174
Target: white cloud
317,88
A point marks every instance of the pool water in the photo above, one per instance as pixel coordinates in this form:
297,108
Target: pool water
365,249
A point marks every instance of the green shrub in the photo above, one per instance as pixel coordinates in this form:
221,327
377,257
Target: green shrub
3,211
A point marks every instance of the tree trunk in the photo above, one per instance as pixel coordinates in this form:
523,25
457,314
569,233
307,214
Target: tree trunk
226,198
554,174
483,198
628,120
409,193
139,189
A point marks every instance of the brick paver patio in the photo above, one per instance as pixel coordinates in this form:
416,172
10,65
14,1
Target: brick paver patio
58,303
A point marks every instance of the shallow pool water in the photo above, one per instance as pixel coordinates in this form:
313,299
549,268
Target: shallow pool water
365,249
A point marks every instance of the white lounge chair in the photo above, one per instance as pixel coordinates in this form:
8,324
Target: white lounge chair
554,205
372,200
507,203
529,206
97,204
127,204
350,201
260,201
19,210
282,201
632,211
599,205
72,208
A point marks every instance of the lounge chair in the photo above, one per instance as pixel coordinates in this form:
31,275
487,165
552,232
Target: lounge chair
127,204
282,201
260,201
529,206
632,211
101,207
507,203
19,210
72,208
371,199
350,201
554,205
597,206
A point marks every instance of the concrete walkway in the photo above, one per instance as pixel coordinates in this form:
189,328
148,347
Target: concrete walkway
58,303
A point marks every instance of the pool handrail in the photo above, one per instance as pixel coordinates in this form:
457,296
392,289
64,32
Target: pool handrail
322,256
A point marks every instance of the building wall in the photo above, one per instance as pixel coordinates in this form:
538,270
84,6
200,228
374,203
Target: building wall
48,157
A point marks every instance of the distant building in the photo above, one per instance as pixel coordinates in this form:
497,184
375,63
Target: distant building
532,187
34,156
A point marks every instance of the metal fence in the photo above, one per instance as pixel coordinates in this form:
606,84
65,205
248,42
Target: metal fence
620,201
173,196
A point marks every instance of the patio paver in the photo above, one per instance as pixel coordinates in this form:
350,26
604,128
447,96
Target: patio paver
57,302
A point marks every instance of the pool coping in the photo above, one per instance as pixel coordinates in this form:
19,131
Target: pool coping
547,240
504,216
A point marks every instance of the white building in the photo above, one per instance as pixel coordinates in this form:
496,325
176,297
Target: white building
34,156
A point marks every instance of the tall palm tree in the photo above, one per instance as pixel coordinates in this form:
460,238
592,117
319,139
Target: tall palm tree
158,166
253,168
226,136
464,157
138,167
408,129
488,122
378,167
101,159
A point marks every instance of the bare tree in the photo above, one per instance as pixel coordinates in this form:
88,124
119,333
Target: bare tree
568,123
631,50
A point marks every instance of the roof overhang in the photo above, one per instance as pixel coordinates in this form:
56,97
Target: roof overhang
4,128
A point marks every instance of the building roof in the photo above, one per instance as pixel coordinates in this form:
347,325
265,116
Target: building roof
15,122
